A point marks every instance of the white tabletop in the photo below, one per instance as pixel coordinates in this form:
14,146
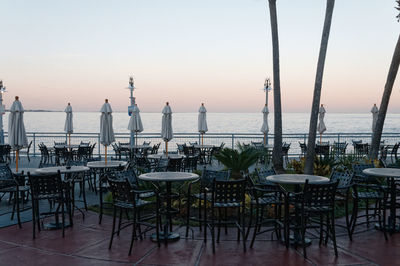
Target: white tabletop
168,176
102,164
382,172
62,169
296,179
163,156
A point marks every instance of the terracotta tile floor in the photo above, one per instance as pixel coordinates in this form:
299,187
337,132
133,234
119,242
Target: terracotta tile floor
87,244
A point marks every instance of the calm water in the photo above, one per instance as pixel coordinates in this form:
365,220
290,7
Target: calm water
217,122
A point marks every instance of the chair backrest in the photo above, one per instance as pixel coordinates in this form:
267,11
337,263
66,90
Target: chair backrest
303,147
129,175
232,191
29,146
161,166
63,143
121,190
395,148
319,194
175,164
208,176
146,143
46,185
180,147
344,179
356,142
193,143
359,167
6,176
262,173
84,143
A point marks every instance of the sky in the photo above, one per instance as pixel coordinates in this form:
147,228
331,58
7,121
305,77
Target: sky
193,51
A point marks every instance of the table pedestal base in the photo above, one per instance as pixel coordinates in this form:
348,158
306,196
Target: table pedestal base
55,225
171,237
296,241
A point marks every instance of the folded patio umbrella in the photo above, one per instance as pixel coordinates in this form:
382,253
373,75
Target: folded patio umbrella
166,126
321,128
16,129
106,127
135,122
374,112
202,121
68,127
264,128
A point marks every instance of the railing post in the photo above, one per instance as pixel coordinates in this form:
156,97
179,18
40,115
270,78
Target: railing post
233,141
338,137
34,144
199,139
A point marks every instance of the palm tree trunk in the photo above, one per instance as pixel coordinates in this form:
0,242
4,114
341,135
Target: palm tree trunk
277,152
394,67
309,165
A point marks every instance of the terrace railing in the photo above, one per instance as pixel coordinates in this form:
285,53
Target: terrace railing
230,139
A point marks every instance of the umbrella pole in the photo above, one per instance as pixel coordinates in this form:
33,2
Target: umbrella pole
106,154
136,139
69,139
202,139
16,159
265,139
166,148
320,138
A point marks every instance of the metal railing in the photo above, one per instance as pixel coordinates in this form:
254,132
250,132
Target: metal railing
230,139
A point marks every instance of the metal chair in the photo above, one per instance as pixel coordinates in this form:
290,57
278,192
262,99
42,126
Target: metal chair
49,187
228,195
126,198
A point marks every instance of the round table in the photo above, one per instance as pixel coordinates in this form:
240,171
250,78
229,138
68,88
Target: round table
103,166
62,169
163,156
297,180
391,174
168,178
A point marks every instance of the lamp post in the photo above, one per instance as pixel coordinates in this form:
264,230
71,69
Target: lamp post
267,88
130,108
2,111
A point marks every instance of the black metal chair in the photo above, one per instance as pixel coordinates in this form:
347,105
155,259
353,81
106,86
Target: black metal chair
285,151
202,194
14,185
26,151
263,195
154,149
190,163
303,147
316,202
49,187
367,190
175,164
345,183
339,149
228,195
126,198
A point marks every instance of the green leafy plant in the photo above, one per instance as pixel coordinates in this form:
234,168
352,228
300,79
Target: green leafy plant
238,160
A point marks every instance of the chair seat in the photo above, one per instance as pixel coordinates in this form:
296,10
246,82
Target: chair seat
227,205
146,195
128,205
267,200
369,195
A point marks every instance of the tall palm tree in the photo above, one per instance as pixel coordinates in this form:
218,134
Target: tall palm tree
309,165
394,67
277,159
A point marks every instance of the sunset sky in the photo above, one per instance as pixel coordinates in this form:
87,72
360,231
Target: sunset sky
190,51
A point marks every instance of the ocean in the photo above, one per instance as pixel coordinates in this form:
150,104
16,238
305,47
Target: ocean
217,122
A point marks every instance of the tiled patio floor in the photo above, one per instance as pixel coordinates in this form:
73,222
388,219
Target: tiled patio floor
87,244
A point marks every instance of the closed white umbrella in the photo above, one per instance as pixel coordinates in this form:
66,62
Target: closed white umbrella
265,128
202,121
374,112
321,128
106,127
16,128
68,127
135,122
166,126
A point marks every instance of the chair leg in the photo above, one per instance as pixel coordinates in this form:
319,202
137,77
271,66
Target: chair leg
187,215
113,227
333,233
133,232
346,211
212,229
63,218
250,220
303,235
33,219
120,221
